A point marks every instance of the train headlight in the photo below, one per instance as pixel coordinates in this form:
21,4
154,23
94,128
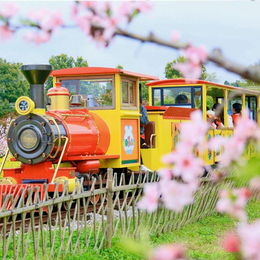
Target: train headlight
28,139
31,138
24,105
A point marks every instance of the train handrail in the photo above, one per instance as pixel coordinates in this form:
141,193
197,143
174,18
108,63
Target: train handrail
73,115
59,139
62,153
151,140
3,162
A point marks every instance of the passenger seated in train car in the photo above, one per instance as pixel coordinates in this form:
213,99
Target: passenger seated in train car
211,117
181,99
236,112
219,120
143,121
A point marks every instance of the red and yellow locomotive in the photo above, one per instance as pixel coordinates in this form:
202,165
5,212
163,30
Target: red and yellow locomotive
81,131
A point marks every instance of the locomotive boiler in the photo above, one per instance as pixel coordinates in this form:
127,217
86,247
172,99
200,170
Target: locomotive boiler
52,145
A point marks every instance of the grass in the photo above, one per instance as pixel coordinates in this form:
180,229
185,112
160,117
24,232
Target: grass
202,239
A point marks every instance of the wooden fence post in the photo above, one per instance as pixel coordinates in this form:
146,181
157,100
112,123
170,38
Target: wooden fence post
109,206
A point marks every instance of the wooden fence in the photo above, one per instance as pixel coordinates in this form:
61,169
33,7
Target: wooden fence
42,229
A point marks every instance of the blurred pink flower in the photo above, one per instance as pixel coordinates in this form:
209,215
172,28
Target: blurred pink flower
199,129
189,70
37,37
196,55
6,33
187,165
169,252
176,195
8,9
143,6
52,21
234,202
231,242
165,174
168,158
250,240
149,201
46,19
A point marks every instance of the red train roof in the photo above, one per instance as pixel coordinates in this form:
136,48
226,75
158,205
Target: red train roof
99,71
180,81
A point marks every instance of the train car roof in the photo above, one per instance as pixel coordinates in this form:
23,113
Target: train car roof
100,71
180,81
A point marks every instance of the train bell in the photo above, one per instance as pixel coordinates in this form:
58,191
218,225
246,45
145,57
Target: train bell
75,101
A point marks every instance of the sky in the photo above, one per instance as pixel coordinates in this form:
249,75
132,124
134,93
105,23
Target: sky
232,26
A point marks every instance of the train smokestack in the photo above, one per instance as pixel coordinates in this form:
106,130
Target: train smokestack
36,75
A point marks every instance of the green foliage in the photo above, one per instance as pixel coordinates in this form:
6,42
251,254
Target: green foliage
5,108
171,73
145,92
63,62
119,67
12,85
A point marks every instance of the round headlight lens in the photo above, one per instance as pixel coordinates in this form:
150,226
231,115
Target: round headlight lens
28,138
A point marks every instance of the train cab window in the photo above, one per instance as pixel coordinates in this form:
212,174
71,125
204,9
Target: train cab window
128,93
189,97
99,92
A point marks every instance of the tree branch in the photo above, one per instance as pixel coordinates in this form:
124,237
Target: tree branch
215,56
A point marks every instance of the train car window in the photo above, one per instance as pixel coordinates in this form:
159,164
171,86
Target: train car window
251,104
197,97
157,101
129,93
190,97
97,91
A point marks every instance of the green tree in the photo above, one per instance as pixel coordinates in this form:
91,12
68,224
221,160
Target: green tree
63,62
12,85
119,67
145,92
171,73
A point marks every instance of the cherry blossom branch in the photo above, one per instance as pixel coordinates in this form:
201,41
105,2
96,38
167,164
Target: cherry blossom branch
215,56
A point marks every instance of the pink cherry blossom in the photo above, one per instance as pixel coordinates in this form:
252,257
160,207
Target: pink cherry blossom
187,165
169,252
52,21
37,37
231,242
250,240
165,174
149,201
8,10
143,6
234,202
6,33
190,71
196,55
176,195
199,129
47,20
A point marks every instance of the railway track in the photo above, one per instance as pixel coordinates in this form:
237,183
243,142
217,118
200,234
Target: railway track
44,218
